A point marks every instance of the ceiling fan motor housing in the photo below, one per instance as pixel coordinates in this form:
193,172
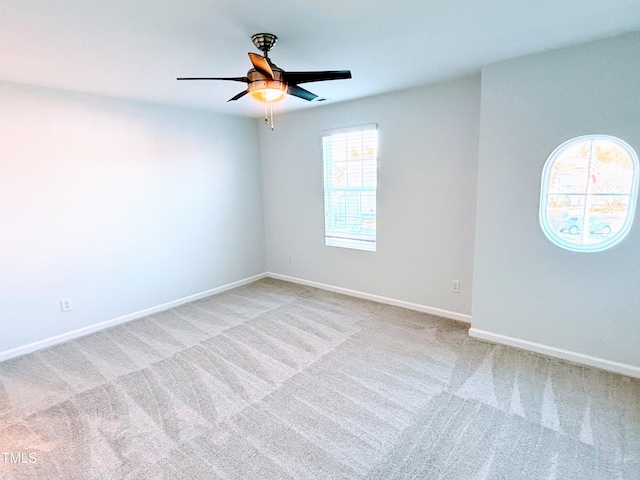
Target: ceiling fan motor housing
265,89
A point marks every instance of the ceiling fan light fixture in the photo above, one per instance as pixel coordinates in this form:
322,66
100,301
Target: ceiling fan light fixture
268,91
268,84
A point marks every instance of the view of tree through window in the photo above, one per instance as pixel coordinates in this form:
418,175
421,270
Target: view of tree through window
351,178
588,195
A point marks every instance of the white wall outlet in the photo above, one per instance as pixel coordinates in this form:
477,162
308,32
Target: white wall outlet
66,305
455,286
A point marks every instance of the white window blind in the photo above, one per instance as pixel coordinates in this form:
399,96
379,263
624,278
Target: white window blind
350,159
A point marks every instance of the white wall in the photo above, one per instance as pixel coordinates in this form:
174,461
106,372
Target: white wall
123,206
426,199
120,206
524,286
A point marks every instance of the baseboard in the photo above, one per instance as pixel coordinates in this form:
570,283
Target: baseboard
622,368
81,332
460,317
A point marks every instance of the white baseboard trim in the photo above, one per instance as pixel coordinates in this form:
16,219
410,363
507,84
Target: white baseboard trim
575,357
81,332
460,317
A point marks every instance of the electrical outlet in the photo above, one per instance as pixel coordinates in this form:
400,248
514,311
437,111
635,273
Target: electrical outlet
455,286
66,305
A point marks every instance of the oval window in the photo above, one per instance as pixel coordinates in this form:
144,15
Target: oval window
588,194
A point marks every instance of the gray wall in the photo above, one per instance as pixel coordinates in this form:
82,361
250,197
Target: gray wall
124,206
119,205
426,204
524,286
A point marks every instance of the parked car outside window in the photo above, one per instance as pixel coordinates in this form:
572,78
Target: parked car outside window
573,225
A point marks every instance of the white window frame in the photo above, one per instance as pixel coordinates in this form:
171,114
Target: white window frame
607,242
339,199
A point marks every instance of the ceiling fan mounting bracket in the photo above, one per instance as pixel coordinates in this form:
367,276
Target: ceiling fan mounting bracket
264,41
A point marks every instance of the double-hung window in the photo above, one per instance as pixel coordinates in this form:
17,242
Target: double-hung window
350,159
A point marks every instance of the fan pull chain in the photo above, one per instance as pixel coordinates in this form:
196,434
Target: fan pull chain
271,112
268,115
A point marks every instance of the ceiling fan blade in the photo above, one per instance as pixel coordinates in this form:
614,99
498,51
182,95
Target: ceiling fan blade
296,91
240,95
305,77
261,64
233,79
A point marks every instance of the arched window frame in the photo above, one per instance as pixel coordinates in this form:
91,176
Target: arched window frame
554,236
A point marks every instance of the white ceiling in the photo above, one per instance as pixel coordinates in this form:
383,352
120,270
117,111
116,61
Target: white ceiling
136,48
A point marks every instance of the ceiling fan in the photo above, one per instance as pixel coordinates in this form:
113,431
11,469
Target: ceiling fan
268,83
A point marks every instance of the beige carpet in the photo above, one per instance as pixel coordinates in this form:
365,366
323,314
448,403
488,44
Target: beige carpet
277,381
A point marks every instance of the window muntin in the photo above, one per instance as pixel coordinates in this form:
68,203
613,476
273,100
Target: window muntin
588,194
350,158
